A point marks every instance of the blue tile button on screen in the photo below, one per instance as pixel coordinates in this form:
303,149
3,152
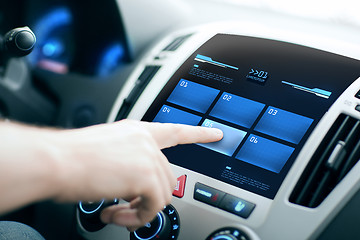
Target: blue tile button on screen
193,95
264,153
172,115
238,110
282,124
230,141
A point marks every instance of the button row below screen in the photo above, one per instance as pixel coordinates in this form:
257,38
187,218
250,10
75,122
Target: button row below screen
223,200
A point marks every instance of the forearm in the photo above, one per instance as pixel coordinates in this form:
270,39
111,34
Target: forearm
29,166
119,160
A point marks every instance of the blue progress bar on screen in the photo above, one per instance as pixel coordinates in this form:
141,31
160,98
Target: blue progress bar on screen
317,91
202,58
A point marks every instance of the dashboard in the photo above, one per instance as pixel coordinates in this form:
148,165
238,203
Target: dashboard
288,158
284,90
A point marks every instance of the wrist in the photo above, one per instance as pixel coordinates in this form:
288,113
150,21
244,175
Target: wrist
31,165
52,155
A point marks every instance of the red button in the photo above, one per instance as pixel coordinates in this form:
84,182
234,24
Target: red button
180,187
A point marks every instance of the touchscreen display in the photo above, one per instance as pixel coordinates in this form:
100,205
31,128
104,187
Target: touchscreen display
266,96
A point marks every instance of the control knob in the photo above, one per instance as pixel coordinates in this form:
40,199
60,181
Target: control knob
228,233
224,237
164,226
18,42
89,214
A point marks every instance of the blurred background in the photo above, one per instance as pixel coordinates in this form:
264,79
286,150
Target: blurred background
86,50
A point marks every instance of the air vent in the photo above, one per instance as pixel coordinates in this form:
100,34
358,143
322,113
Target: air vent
176,43
145,77
336,155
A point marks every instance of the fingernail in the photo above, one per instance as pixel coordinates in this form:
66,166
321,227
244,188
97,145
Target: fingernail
217,132
131,229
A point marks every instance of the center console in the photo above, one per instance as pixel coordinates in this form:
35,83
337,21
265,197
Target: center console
288,160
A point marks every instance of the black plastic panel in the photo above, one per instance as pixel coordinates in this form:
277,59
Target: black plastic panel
267,96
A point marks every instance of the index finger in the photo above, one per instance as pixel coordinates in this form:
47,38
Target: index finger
170,134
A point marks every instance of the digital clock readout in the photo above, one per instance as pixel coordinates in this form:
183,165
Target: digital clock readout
258,76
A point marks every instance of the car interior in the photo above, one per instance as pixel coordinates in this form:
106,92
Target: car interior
281,79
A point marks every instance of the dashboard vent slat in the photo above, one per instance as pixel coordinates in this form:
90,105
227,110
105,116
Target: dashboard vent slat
336,155
351,161
176,43
145,77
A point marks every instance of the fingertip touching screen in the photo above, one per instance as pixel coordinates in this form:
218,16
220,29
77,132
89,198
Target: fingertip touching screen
266,96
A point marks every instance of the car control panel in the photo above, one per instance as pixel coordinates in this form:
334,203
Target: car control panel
278,103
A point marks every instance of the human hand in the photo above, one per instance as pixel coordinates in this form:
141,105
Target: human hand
123,160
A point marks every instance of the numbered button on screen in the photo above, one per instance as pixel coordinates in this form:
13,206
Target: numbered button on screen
238,110
282,124
231,139
169,114
264,153
193,95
